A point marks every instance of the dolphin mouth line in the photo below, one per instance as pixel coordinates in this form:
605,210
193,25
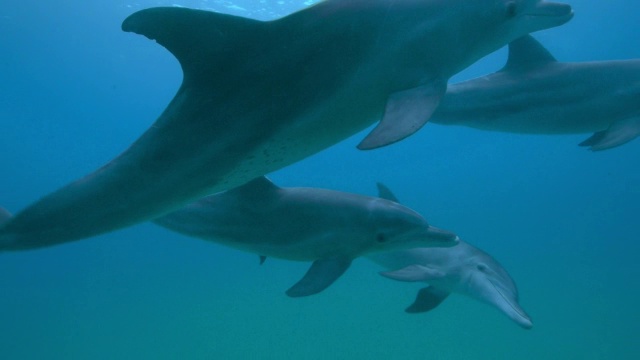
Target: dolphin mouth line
506,299
547,15
550,10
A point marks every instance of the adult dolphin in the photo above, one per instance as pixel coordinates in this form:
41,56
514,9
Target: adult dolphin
327,227
534,93
462,269
257,96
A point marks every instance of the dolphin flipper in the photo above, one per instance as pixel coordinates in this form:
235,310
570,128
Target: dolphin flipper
619,133
320,275
428,298
413,273
405,113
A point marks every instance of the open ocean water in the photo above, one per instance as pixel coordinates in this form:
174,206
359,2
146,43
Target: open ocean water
75,91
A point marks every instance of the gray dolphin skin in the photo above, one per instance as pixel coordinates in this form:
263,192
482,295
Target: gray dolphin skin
329,228
257,96
462,269
536,94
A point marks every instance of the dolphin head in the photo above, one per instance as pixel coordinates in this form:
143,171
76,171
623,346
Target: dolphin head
495,23
397,227
487,281
527,16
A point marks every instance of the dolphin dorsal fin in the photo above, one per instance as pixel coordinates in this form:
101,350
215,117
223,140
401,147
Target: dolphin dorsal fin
258,188
4,215
198,39
385,193
527,52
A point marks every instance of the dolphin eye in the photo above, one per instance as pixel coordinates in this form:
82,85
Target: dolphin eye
482,267
381,238
511,9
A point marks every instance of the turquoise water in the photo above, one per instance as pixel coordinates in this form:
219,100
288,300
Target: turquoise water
75,91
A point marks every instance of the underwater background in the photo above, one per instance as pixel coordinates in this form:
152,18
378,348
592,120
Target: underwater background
75,91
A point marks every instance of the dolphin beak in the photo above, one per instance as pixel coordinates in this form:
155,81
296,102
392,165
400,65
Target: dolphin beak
511,308
440,235
562,12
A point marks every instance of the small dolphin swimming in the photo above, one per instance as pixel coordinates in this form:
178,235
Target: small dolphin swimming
534,93
328,227
257,96
462,269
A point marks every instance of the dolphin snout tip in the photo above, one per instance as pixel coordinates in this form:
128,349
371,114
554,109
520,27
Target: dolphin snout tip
525,323
442,237
561,11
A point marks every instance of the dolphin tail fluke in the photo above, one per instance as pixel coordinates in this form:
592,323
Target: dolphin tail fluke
320,275
428,298
405,113
619,133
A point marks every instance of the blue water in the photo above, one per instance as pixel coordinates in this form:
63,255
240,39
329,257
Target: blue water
75,91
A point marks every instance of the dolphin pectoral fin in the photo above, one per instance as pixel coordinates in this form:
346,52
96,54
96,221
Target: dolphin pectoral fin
413,273
262,259
320,275
405,113
619,133
428,298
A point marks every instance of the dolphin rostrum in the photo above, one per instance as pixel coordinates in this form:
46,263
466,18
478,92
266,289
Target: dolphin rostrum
257,96
462,269
327,227
533,93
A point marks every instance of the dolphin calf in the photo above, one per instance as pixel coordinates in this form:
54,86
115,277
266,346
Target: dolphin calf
534,93
327,227
462,269
257,96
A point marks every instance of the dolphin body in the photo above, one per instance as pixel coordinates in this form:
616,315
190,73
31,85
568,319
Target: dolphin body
462,269
327,227
534,93
257,96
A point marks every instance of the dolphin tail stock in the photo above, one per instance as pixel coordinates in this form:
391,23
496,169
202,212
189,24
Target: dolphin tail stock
619,133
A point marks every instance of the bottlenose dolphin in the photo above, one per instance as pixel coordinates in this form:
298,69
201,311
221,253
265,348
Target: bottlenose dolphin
534,93
257,96
462,269
327,227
